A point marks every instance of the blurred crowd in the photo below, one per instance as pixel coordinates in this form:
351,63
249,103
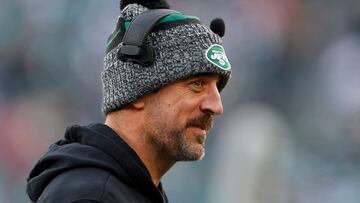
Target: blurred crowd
291,128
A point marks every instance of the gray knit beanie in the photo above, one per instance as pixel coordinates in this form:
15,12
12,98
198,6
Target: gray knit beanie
182,46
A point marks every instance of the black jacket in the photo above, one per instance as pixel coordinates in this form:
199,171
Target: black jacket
92,164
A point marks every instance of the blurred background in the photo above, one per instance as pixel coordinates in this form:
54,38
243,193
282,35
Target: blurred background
291,128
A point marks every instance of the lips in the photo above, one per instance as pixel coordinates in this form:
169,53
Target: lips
202,127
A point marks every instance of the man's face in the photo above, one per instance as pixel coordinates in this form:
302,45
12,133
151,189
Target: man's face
179,115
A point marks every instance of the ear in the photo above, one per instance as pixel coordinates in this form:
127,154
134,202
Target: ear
138,104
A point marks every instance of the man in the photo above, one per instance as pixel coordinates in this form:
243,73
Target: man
156,114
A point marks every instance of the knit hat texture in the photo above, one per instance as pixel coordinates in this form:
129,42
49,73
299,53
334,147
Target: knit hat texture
181,50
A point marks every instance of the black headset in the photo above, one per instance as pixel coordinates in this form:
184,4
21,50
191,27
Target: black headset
134,48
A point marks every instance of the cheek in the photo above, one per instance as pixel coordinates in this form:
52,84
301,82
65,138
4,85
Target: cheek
181,113
173,116
176,111
164,115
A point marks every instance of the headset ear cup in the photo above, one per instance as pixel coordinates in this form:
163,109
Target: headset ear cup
147,55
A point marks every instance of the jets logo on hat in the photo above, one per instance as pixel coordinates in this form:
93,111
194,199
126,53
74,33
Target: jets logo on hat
216,55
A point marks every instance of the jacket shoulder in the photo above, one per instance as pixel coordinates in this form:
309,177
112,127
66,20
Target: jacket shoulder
89,185
76,185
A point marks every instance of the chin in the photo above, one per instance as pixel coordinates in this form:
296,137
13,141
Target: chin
195,154
202,156
201,152
192,149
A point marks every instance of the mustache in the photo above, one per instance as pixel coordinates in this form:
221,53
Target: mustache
205,122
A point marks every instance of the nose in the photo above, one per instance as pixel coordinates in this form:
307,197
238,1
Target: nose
212,102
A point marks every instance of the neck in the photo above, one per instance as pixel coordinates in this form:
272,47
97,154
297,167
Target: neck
130,131
156,163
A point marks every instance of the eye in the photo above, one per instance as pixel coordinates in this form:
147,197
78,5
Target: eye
197,85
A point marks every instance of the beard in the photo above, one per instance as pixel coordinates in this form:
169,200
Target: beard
178,144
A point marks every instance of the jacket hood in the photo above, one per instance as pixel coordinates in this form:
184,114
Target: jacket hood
96,146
